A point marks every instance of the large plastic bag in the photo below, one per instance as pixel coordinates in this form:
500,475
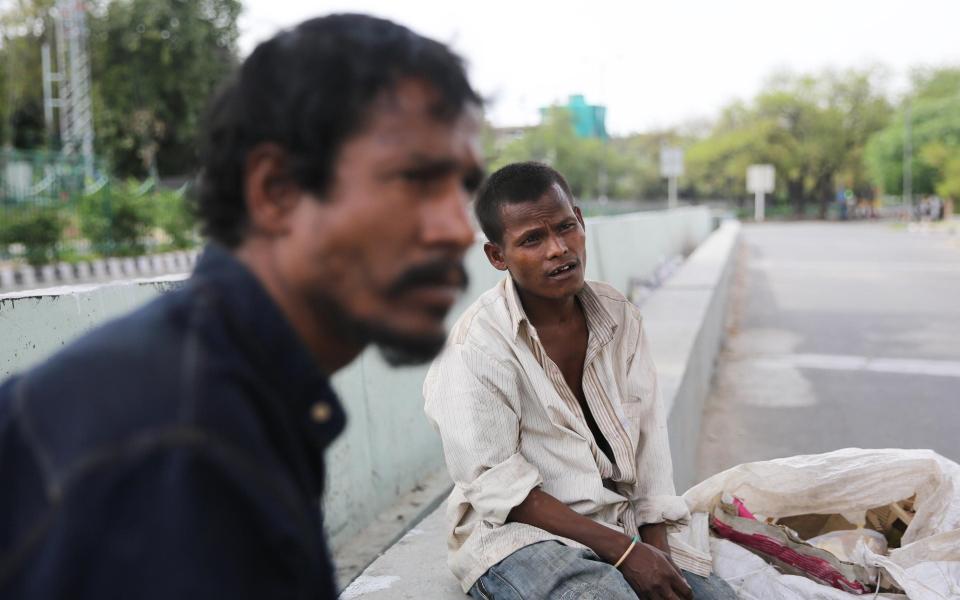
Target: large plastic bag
849,482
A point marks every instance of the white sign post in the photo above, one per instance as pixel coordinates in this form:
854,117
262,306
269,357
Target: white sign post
671,167
760,181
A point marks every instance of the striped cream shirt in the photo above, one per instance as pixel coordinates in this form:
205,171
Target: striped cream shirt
509,423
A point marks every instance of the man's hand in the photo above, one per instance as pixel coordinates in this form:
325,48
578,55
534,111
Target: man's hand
647,569
652,575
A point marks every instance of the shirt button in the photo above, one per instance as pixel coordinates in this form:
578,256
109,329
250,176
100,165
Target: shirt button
321,412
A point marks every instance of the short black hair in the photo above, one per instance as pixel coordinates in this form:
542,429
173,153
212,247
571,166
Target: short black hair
513,184
307,90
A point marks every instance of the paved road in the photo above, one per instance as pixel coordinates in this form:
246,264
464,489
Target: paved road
838,335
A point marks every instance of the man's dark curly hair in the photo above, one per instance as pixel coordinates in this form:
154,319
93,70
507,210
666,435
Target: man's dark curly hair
513,184
307,90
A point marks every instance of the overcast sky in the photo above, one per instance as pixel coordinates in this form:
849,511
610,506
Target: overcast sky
653,64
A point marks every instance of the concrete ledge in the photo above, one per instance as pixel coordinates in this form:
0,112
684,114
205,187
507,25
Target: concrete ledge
684,320
413,569
37,322
389,527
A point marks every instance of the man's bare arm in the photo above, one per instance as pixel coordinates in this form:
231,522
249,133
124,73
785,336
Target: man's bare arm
655,534
647,569
543,511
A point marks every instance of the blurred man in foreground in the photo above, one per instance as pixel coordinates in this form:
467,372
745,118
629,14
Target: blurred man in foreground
178,452
553,429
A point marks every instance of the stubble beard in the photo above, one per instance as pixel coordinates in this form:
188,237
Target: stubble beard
397,348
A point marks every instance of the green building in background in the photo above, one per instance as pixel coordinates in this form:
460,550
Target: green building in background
589,120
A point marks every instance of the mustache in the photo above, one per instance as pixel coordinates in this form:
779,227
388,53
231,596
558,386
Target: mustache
435,272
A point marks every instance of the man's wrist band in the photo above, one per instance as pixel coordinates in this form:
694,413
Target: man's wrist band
626,553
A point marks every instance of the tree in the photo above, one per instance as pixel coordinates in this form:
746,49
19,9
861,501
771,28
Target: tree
155,64
555,142
634,164
24,29
946,161
933,106
812,128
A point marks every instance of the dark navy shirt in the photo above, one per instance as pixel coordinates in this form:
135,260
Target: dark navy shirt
174,453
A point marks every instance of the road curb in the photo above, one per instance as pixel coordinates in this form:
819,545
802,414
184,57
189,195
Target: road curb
15,279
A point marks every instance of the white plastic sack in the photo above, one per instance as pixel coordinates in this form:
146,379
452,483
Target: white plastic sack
753,579
850,482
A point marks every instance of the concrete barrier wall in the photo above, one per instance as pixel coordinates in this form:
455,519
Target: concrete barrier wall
388,446
685,320
34,325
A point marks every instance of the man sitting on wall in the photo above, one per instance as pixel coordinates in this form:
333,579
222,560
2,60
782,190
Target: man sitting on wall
553,430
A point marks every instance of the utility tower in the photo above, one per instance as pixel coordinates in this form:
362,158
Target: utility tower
71,78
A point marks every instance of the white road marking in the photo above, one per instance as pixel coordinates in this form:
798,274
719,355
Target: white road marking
367,584
846,362
858,266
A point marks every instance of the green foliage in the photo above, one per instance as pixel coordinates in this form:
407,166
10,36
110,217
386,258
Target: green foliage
934,110
946,160
633,165
155,64
174,215
811,128
117,220
619,168
38,229
123,219
21,91
555,142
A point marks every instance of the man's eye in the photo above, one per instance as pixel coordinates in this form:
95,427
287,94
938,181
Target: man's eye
472,181
417,177
566,226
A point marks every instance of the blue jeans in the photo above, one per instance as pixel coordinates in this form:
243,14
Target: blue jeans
551,570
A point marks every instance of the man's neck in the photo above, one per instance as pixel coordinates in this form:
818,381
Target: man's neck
319,332
550,312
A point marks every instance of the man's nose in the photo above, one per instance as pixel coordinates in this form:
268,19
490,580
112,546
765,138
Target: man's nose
446,222
556,247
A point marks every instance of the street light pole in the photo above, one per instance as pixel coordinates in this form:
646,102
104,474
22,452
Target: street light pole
908,160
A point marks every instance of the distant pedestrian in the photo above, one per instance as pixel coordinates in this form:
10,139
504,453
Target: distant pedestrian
936,208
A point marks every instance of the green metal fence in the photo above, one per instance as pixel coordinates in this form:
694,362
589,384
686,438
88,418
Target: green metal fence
52,210
41,178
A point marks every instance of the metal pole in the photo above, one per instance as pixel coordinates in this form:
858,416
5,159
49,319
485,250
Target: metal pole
758,207
602,175
672,192
47,89
63,81
908,160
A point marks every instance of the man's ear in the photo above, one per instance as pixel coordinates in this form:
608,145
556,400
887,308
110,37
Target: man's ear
495,256
576,211
270,193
